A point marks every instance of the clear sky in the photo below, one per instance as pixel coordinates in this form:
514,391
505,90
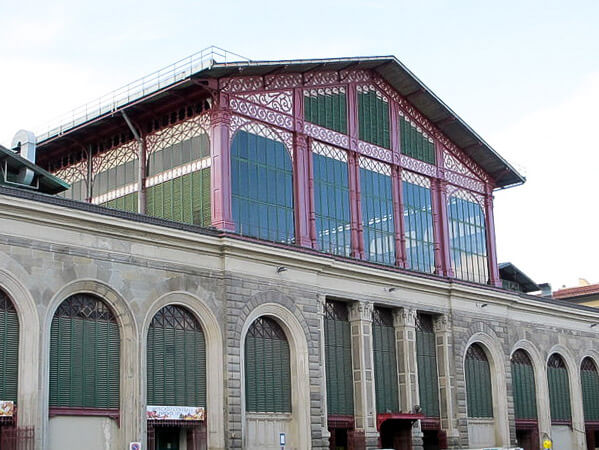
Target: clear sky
524,74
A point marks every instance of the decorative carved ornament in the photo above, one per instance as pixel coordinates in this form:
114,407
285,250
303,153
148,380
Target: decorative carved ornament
405,317
375,166
415,165
330,152
474,197
177,133
360,311
73,173
281,101
262,113
326,135
374,151
416,179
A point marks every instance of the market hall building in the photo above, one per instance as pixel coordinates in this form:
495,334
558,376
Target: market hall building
249,254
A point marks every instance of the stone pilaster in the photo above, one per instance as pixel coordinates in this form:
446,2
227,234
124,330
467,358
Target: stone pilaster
448,401
323,374
404,322
360,317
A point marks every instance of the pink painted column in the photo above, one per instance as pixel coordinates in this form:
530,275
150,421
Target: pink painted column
398,207
301,190
220,172
437,227
494,279
444,227
357,244
311,202
357,231
440,217
397,191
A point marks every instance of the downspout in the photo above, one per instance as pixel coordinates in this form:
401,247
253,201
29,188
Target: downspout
141,172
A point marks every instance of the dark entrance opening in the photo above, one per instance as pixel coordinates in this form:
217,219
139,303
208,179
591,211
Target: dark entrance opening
527,434
167,438
338,439
170,435
592,432
396,434
430,440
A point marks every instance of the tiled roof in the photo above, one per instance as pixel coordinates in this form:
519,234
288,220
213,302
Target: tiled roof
577,291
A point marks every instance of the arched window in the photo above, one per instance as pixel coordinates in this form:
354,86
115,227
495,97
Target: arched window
267,369
9,349
523,386
467,238
385,361
84,354
426,354
418,222
590,390
176,351
559,390
478,383
262,188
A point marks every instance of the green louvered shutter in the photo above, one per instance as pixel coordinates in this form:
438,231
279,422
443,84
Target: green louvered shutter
9,349
385,361
373,117
340,390
176,358
523,386
84,354
326,107
426,354
414,143
125,203
478,383
559,389
267,368
590,390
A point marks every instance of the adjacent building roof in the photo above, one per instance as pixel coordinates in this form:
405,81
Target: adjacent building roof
578,293
509,272
390,68
11,164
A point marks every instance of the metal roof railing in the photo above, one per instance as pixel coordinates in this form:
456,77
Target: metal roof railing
137,89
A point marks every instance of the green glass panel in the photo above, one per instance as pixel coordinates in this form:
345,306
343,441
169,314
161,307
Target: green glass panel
184,199
331,205
125,203
377,216
418,226
426,355
467,240
9,354
523,388
414,144
340,393
373,119
327,108
267,374
590,393
385,369
559,394
262,188
176,366
84,363
478,388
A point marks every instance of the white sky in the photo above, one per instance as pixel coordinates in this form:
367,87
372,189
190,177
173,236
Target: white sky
524,75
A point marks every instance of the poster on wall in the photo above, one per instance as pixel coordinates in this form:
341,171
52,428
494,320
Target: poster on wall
175,412
7,408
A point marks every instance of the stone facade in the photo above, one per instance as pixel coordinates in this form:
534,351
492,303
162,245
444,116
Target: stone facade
52,249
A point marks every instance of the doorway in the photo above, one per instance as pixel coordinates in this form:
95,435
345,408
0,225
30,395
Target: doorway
396,434
167,438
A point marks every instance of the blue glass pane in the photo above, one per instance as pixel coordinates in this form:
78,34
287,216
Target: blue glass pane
377,216
262,188
331,204
467,240
418,224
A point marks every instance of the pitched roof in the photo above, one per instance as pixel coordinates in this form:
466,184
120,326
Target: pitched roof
510,272
577,291
388,67
13,162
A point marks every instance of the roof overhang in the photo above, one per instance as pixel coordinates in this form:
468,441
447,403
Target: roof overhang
510,272
46,182
388,67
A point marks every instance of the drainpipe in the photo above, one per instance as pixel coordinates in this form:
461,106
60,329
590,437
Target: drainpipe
141,173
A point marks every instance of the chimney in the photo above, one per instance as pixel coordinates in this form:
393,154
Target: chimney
545,290
24,144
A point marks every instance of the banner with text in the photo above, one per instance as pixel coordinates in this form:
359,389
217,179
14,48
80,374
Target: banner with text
175,413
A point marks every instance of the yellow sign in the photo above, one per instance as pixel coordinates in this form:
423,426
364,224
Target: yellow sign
547,443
